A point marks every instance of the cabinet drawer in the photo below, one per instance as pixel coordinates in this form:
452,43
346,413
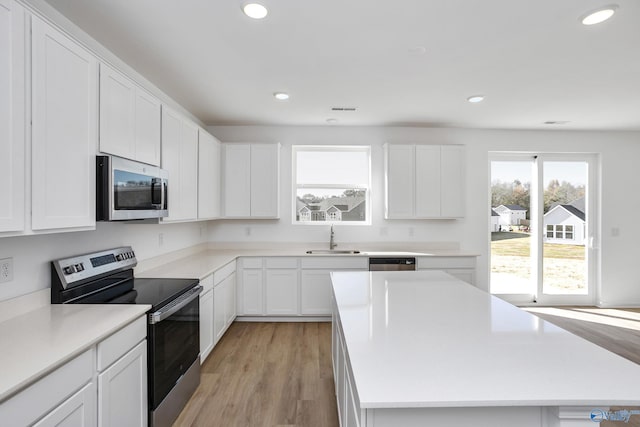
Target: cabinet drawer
444,262
336,262
112,348
251,262
281,262
224,272
207,283
40,398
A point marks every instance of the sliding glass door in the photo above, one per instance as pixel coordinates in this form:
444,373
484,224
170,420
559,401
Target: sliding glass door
542,228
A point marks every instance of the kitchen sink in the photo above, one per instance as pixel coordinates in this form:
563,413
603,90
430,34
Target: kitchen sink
331,252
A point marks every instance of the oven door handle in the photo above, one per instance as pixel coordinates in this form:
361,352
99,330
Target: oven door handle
177,304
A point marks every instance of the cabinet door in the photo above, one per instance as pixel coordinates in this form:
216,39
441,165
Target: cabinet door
189,170
427,164
180,159
315,292
219,308
400,181
12,118
117,113
265,165
452,181
77,411
64,131
281,288
237,180
147,128
206,324
251,293
230,302
208,176
122,390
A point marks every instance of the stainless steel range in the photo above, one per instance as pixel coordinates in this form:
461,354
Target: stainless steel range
173,330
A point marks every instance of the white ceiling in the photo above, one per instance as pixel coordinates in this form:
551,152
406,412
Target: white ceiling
533,60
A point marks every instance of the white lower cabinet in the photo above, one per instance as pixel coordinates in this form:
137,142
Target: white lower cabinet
224,300
462,267
250,292
206,318
104,386
315,292
122,390
281,288
77,411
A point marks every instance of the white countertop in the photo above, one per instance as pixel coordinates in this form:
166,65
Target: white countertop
36,343
203,263
426,339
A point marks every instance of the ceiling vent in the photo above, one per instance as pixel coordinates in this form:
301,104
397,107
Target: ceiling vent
343,108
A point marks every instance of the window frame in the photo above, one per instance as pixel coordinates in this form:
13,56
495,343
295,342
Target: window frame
295,187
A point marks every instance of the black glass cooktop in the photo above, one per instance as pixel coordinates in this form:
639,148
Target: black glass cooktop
159,292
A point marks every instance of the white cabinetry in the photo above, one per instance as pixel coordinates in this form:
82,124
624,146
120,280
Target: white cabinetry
462,267
129,118
12,116
206,318
104,386
290,286
251,180
224,299
180,159
315,281
424,181
208,176
281,288
122,379
122,390
64,130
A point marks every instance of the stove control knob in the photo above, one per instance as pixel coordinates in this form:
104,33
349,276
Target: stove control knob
79,267
69,270
119,257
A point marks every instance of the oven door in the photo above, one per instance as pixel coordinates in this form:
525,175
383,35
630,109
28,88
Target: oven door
174,344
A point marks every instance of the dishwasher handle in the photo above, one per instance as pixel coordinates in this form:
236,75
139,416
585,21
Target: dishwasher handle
392,264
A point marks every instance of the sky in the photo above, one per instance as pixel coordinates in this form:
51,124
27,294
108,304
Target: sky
573,172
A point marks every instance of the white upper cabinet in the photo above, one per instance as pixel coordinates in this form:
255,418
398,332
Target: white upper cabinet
64,130
12,116
208,176
129,118
180,159
251,180
424,181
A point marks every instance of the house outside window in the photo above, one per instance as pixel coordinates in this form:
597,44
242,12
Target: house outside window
559,232
550,231
568,232
331,184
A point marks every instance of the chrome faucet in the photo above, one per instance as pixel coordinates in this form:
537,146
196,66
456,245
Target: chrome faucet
332,243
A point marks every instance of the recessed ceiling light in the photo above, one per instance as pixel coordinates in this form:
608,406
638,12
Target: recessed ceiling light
332,120
281,96
599,15
255,10
556,122
475,99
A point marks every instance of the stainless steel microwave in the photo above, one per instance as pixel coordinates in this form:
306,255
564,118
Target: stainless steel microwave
127,190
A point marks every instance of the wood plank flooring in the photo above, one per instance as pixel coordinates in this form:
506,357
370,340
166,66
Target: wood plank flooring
266,374
280,374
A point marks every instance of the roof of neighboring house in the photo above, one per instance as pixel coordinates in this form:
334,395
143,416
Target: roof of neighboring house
514,207
579,204
344,204
577,212
569,208
494,213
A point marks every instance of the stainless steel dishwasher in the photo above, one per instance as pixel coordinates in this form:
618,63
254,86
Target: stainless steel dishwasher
392,264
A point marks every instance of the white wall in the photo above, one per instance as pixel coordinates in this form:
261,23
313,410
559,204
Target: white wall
32,254
619,153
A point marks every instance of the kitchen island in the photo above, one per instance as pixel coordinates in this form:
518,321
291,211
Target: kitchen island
424,348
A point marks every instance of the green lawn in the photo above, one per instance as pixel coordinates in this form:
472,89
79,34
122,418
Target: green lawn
518,244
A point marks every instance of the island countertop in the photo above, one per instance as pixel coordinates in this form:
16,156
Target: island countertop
426,340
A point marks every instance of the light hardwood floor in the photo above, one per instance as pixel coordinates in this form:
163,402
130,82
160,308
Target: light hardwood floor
266,374
279,374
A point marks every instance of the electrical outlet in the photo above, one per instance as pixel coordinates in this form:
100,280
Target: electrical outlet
160,239
6,270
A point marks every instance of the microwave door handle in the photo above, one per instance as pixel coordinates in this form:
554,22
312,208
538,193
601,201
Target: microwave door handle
155,182
165,195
